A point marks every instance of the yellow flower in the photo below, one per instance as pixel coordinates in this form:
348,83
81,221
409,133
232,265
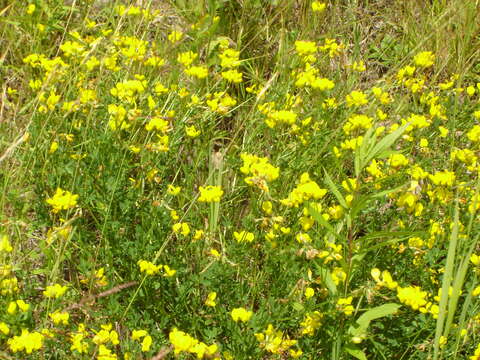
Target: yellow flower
198,234
146,343
55,291
398,160
305,48
241,314
168,272
5,244
210,193
229,58
148,267
412,296
53,147
214,253
105,353
59,317
344,305
4,329
210,301
273,341
62,200
309,292
358,66
356,98
318,6
243,236
31,9
311,322
173,190
199,72
27,341
232,75
182,228
175,36
12,307
181,341
105,335
306,189
186,58
475,259
474,134
138,334
424,59
192,131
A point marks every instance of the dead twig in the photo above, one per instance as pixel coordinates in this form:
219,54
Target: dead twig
93,298
162,353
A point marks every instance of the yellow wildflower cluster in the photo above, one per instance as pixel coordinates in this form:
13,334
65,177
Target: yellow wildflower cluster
243,236
311,323
309,77
55,291
241,314
183,342
27,341
345,305
274,342
261,170
62,200
151,269
210,193
356,122
383,278
220,102
147,339
307,189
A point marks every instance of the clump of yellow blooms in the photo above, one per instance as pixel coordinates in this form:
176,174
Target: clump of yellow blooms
345,305
311,323
356,98
27,341
210,301
5,245
273,341
318,6
261,171
62,200
307,189
424,59
210,193
150,268
147,339
55,291
412,296
183,342
243,236
241,314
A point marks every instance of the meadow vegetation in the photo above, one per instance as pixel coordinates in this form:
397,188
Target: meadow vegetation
239,179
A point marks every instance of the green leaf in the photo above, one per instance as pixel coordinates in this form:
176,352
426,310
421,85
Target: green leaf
327,279
297,306
334,190
367,143
319,218
377,312
355,352
385,143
